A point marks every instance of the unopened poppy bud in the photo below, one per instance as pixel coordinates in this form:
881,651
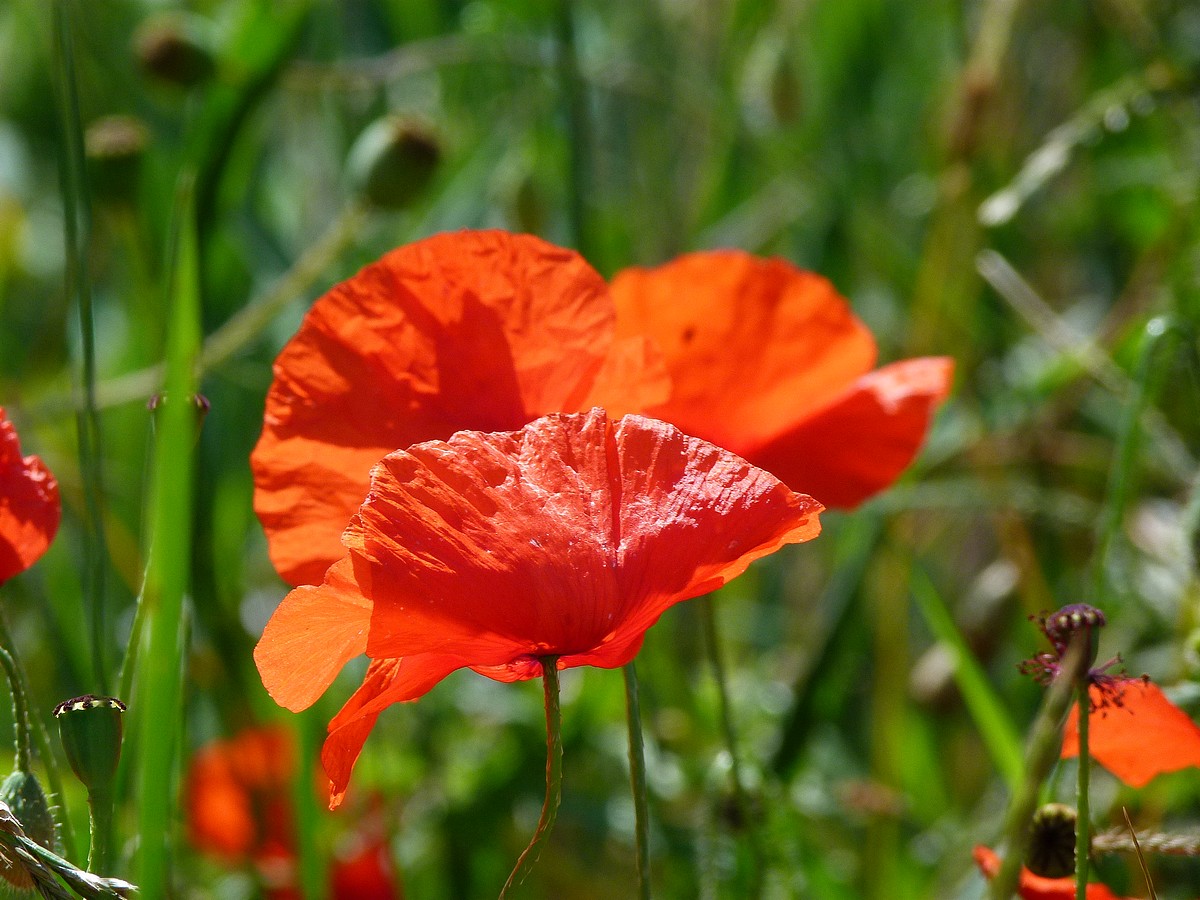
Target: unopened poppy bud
174,48
91,730
23,794
1052,841
393,161
114,147
1074,619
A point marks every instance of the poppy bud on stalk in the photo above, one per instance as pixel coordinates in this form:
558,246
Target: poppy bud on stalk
1052,841
23,794
177,49
393,161
115,146
91,729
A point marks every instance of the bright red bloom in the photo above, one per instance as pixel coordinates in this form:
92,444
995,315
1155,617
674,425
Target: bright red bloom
1135,732
480,330
568,538
29,505
1035,887
768,361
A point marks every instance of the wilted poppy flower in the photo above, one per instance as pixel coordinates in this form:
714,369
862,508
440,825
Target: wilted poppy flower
769,361
481,330
1035,887
568,538
1134,731
29,506
238,799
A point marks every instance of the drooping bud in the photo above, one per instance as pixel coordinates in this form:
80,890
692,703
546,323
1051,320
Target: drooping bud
1052,841
114,146
175,48
393,161
91,729
23,794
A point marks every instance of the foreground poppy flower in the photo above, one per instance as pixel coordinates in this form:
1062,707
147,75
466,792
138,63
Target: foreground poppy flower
29,505
1134,731
769,361
568,539
1035,887
481,330
238,801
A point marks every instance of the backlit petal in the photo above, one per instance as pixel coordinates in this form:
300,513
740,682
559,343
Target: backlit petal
313,633
29,505
387,681
1137,733
569,538
475,329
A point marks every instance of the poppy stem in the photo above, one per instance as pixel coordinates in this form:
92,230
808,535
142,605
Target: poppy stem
637,778
24,756
1082,837
742,802
553,776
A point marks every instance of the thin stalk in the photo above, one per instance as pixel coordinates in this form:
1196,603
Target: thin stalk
708,616
100,809
75,225
579,133
553,776
24,755
1082,837
637,778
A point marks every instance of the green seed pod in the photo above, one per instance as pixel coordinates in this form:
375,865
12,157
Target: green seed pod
393,161
1052,841
25,797
175,48
91,730
114,146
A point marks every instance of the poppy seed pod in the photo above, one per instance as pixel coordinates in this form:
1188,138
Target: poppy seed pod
1052,841
393,161
115,146
91,728
1073,619
23,794
174,48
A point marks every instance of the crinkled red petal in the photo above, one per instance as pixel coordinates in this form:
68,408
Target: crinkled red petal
29,505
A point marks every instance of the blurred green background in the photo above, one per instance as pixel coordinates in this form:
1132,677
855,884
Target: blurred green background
1011,184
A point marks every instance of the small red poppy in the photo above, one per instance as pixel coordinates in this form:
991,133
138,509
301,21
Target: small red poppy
1035,887
769,361
568,538
29,505
1134,731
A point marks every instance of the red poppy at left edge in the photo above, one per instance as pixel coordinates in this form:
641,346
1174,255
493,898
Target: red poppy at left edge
29,505
566,539
483,330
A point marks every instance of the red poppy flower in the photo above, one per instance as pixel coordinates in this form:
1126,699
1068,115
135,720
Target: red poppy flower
1135,732
1035,887
568,538
29,506
480,330
769,361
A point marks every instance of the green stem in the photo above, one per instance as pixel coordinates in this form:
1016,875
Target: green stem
553,776
1082,837
100,807
708,614
637,778
578,145
20,704
75,225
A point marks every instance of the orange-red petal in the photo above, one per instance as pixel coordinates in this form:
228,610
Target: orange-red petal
474,329
1035,887
769,361
313,633
568,538
29,505
387,681
1135,732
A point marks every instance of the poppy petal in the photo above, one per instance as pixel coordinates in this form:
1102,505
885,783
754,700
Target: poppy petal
1135,732
387,681
568,538
332,617
472,329
1035,887
752,345
29,505
862,441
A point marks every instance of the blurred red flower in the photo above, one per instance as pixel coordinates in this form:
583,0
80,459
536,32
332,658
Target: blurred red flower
1035,887
29,505
1134,731
768,361
486,331
568,538
238,799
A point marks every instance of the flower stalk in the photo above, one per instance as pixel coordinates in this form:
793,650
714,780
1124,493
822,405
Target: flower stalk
553,776
637,778
1082,835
